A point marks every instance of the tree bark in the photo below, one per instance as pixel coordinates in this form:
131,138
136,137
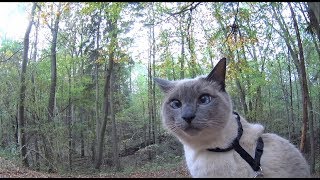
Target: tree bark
69,120
292,127
305,95
182,59
101,133
34,57
115,148
51,104
154,126
286,99
96,65
53,56
288,40
150,115
21,118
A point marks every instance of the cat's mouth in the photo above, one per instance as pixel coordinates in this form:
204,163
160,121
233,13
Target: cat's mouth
191,130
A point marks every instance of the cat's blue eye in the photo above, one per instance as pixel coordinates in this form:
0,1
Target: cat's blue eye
205,99
175,104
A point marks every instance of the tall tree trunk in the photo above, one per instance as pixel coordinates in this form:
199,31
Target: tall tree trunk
297,94
292,126
154,125
289,42
34,57
190,40
269,104
21,118
286,99
150,120
53,56
115,149
51,103
69,119
96,65
82,145
305,95
182,59
101,133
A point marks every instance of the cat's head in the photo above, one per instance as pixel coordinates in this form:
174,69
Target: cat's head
194,107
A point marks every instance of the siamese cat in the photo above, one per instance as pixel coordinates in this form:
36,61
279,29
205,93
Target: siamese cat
218,142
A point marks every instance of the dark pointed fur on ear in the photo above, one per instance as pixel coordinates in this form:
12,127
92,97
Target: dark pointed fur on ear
165,85
218,74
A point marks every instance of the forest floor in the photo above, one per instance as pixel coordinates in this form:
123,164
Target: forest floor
8,169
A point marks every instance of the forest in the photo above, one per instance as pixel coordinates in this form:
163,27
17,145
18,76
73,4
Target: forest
77,93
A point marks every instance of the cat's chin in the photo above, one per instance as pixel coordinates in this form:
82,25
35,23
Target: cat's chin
192,131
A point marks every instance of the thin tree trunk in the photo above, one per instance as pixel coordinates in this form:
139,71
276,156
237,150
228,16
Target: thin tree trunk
292,126
51,103
299,67
150,115
21,118
36,147
36,140
149,99
269,104
286,99
69,119
82,145
298,98
182,51
54,32
154,127
115,149
102,130
96,65
305,95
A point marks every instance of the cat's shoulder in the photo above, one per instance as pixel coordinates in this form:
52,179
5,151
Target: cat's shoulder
272,137
256,129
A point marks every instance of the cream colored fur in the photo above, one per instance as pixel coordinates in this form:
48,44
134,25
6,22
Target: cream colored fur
279,159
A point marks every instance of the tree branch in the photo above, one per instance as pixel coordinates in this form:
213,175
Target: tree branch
184,9
12,55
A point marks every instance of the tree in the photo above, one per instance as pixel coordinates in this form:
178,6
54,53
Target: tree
113,30
305,94
21,118
54,27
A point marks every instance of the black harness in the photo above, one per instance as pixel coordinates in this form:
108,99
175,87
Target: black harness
254,163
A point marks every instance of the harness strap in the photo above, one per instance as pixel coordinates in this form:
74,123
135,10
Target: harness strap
254,163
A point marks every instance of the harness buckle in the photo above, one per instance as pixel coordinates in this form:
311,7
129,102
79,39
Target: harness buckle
259,173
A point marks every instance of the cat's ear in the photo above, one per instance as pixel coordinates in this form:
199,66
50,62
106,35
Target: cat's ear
165,85
218,74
